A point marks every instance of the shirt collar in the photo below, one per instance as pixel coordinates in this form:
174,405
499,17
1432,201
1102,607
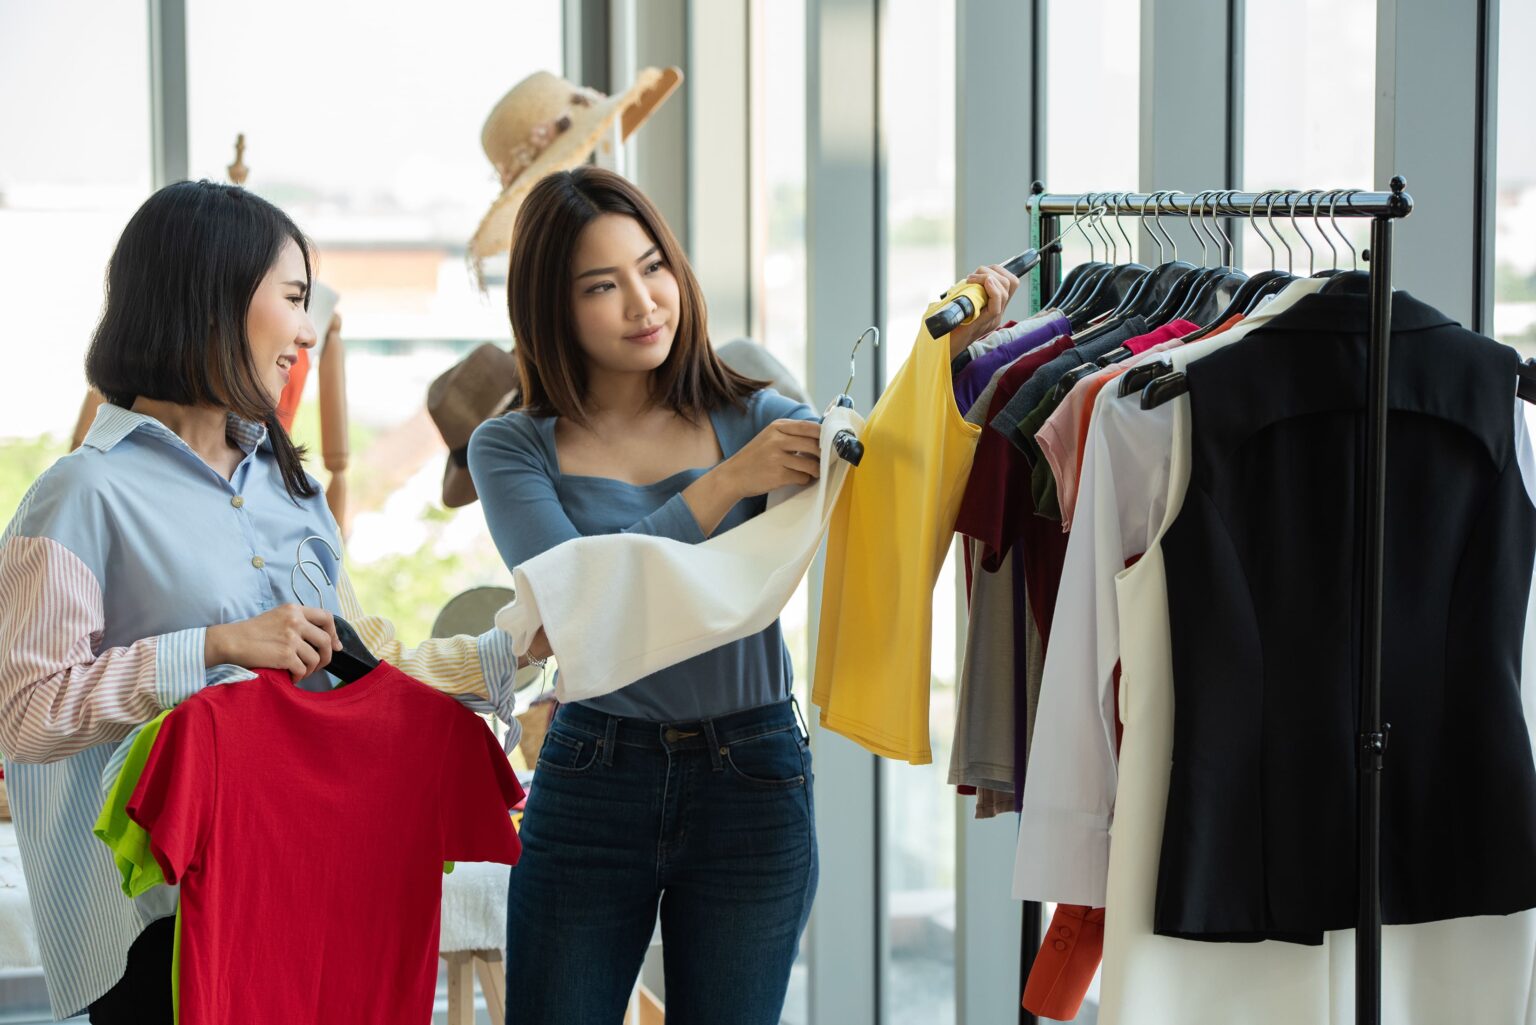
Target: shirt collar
1351,313
114,423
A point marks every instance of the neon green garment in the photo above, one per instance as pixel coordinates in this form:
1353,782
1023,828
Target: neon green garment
127,839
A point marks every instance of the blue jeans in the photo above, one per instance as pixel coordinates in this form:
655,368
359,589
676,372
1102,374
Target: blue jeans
711,820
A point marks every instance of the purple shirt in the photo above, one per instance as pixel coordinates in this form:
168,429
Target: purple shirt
971,381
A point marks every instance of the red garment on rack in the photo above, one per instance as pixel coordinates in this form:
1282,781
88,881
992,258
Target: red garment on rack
998,508
293,391
308,832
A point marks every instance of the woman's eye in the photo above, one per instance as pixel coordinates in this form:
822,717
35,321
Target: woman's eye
296,299
606,286
653,268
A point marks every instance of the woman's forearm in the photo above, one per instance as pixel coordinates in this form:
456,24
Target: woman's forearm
712,496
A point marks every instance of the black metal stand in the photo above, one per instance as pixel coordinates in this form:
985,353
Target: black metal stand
1383,208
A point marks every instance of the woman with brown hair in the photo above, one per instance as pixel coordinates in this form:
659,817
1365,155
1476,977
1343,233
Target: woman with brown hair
689,789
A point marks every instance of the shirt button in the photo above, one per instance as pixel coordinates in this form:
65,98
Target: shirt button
258,562
238,501
1060,945
1064,932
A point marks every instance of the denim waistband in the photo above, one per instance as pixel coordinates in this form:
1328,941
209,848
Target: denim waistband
703,734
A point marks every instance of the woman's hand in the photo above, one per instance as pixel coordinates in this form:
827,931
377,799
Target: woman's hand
784,452
1000,284
297,638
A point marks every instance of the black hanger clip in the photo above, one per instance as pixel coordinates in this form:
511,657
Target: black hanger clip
1164,388
1525,380
1136,378
1067,381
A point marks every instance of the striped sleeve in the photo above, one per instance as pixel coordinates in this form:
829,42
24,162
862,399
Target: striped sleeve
469,668
58,695
453,665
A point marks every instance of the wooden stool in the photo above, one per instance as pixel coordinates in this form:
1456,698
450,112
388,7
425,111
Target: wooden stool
463,966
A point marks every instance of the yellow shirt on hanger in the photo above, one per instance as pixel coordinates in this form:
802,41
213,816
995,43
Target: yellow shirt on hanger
889,537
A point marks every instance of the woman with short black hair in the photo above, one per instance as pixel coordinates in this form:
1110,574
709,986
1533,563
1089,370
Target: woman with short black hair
156,560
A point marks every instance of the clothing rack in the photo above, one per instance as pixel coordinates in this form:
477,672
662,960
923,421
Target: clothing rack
1046,210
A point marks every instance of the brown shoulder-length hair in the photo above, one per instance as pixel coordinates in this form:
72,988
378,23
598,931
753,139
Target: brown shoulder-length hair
553,370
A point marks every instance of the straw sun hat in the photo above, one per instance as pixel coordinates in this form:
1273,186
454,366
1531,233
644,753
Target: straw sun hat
546,124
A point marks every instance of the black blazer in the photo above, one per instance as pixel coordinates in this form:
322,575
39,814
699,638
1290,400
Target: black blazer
1264,569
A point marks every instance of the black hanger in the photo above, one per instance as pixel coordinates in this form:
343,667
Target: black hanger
1198,299
1246,294
1349,282
1137,377
1065,382
1151,290
1107,294
1266,282
354,660
1525,382
1085,275
1217,296
1069,284
1103,292
1162,389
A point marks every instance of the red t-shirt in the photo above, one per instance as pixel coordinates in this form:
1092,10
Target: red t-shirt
308,832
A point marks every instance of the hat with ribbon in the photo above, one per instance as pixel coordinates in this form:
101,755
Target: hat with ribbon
546,124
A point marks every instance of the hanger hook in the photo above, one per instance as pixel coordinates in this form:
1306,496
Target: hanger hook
298,569
1084,224
1112,247
1224,196
1130,248
1096,222
316,537
1354,259
1145,199
1108,235
1317,209
1269,214
1253,221
1161,196
1197,224
1208,220
1311,254
1075,224
853,362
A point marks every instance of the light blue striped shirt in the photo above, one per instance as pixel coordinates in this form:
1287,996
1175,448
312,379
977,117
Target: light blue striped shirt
173,547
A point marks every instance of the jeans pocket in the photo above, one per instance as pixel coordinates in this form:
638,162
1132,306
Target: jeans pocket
773,761
566,755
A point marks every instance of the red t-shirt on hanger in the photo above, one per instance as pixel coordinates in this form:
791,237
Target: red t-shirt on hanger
308,832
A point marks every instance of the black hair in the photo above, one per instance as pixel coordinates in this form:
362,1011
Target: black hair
179,287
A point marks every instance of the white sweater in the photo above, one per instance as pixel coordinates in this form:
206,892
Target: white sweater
617,607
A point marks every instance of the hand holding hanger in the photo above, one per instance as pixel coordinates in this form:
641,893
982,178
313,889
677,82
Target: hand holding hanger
1000,284
297,638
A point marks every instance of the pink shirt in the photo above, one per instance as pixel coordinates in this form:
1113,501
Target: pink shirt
1062,435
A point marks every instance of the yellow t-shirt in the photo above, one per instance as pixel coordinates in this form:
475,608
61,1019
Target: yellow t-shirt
889,537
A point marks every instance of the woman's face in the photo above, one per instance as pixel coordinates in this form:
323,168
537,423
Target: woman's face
277,324
625,296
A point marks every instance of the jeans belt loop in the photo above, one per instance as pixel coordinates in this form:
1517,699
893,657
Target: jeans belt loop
714,745
805,731
610,740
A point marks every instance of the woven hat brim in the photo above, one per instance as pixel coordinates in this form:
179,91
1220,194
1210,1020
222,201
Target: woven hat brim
570,149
